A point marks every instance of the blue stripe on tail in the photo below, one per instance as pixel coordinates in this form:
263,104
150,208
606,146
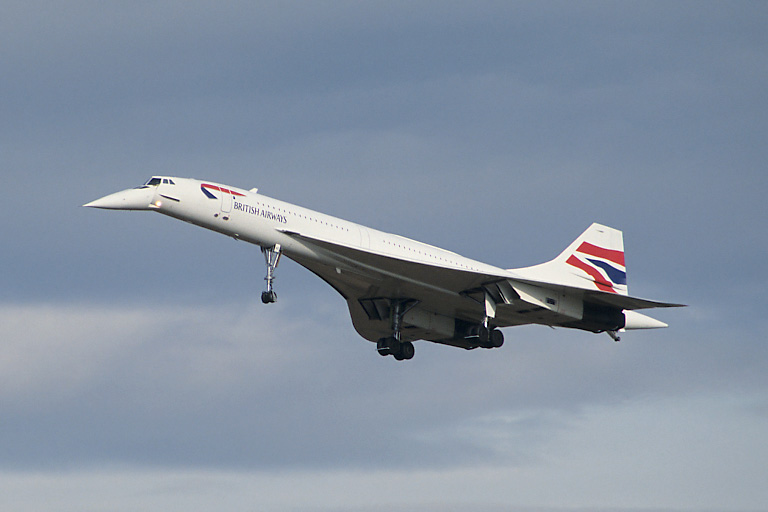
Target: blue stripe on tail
614,274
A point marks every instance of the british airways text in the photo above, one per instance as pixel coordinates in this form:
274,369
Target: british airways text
260,212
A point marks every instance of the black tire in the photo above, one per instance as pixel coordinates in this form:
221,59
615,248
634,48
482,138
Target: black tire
497,338
482,335
382,346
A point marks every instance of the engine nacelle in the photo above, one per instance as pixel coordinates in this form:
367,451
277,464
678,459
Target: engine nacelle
598,318
452,331
438,326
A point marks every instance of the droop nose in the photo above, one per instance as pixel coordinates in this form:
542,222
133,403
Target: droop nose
131,199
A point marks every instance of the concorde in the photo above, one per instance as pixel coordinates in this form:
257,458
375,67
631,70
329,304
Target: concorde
399,290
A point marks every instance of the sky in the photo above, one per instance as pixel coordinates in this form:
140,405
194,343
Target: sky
139,369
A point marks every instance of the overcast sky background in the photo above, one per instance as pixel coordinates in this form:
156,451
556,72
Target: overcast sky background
139,370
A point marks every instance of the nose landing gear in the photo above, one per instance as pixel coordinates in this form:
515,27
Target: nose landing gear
272,258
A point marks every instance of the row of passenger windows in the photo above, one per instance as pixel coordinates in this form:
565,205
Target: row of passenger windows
300,216
439,258
410,249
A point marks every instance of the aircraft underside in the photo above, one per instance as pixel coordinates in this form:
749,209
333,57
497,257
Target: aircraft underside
395,318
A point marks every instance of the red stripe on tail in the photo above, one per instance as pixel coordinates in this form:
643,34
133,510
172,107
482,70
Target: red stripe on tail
608,254
596,276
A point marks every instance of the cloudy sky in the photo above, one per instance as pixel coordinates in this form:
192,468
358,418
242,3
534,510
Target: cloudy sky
139,370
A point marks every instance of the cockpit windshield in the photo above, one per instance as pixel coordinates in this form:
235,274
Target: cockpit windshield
155,181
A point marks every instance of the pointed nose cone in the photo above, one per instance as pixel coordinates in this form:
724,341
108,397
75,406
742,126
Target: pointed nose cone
131,199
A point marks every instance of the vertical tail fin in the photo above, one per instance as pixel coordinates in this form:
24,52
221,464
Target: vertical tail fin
595,260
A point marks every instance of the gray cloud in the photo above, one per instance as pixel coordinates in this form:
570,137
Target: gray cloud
245,386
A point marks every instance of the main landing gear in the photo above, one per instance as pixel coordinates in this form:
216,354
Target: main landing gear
272,258
393,345
487,335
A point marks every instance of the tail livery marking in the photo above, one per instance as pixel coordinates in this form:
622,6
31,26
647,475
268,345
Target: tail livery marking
605,266
205,188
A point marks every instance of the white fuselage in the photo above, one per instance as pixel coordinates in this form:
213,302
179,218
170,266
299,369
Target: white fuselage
258,219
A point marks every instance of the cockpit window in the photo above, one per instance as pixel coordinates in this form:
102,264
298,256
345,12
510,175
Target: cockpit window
153,181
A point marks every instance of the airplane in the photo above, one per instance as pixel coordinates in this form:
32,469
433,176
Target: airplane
400,290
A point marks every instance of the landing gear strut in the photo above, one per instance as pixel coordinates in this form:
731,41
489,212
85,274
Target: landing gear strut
487,334
393,345
272,258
